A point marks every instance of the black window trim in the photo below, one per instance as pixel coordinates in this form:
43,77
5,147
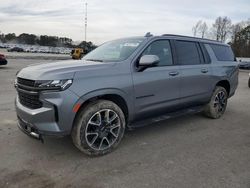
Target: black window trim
205,53
201,56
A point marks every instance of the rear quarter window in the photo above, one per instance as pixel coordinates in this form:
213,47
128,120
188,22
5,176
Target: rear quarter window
222,53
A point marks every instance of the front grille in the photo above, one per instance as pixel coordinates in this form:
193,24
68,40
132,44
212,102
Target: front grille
26,95
26,82
28,100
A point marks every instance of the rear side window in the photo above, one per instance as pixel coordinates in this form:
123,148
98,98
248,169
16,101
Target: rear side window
187,53
222,53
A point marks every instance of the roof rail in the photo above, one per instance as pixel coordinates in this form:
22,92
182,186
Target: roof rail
172,35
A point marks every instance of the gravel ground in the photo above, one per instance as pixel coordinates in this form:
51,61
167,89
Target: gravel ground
191,151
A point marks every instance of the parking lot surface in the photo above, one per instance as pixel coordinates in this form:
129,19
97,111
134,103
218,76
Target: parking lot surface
190,151
36,56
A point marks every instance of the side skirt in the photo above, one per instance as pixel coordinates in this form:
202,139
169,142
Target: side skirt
149,121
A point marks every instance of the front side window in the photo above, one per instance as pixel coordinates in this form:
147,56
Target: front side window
114,51
162,49
187,53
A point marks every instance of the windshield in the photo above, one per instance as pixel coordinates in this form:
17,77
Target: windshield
117,50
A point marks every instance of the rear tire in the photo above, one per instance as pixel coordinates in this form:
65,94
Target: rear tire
99,128
249,82
218,103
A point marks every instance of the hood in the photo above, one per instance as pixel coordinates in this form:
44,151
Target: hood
60,70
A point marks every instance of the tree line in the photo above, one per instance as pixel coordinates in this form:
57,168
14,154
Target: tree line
44,40
223,30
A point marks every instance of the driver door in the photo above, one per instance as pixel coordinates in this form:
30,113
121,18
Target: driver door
157,89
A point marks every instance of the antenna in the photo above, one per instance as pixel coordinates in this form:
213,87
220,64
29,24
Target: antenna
86,21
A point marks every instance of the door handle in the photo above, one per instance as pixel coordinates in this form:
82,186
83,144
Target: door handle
175,73
204,70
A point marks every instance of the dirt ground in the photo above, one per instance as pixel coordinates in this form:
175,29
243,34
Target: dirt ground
191,151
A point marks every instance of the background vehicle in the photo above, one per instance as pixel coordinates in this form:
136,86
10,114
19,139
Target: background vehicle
15,49
3,60
123,84
244,65
77,53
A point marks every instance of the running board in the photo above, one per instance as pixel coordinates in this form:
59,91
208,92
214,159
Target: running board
171,115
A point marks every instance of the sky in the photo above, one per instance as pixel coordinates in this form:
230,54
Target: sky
110,19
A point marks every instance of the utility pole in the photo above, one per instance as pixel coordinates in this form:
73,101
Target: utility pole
86,21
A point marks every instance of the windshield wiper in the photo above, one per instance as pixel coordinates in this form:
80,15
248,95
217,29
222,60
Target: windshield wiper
98,60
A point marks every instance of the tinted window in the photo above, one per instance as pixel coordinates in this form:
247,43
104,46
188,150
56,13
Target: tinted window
187,53
162,49
223,53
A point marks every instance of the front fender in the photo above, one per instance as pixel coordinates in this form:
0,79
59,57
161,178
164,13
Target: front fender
128,98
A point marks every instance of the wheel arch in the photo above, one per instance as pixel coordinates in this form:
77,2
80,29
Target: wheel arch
225,84
114,95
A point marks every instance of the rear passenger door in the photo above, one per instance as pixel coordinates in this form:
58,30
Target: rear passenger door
195,81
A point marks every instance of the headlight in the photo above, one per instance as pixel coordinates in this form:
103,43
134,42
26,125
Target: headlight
55,84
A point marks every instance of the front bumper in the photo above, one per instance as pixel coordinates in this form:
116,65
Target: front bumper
54,118
29,130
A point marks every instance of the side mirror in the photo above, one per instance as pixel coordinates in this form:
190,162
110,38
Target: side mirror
148,61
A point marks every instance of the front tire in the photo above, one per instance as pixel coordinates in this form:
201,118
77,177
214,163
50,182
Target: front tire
99,128
218,103
249,82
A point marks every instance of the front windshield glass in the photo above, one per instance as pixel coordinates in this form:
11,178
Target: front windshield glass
117,50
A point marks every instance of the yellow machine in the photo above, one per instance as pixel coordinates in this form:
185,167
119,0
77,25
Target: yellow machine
77,53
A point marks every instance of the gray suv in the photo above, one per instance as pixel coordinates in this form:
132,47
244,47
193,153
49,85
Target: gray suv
125,83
